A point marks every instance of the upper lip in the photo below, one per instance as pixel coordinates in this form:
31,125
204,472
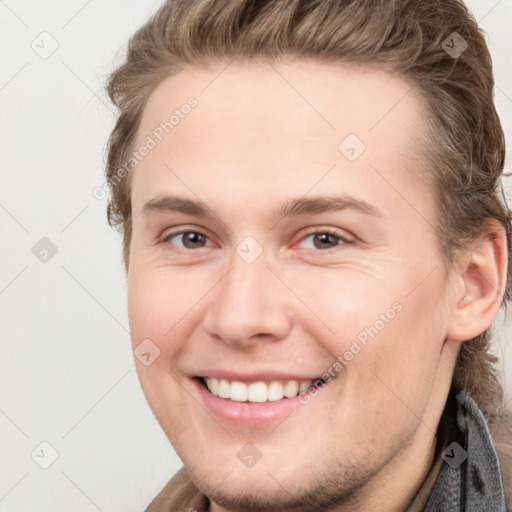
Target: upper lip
269,375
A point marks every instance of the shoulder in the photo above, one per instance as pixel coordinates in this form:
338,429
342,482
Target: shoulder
501,433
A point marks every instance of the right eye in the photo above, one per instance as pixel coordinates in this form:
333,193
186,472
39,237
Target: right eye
186,239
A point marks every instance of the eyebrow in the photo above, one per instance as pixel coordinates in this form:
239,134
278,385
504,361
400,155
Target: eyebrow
170,204
301,206
322,204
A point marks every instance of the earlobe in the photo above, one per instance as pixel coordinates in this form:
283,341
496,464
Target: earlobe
484,274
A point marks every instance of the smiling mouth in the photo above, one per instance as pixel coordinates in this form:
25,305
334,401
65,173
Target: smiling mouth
258,392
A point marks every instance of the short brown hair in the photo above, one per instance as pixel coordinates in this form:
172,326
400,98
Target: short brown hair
463,161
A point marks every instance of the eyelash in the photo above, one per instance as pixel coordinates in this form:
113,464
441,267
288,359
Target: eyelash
344,241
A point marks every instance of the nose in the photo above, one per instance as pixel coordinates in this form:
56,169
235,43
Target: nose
248,305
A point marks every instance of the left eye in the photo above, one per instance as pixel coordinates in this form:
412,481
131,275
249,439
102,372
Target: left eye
189,239
322,240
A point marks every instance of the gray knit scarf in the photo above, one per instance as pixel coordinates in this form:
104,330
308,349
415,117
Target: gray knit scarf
470,478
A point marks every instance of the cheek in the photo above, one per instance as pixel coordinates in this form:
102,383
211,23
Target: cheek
379,325
396,368
158,305
347,303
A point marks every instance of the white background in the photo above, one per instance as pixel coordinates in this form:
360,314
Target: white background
67,374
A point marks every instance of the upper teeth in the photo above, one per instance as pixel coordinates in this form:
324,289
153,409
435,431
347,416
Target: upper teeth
256,391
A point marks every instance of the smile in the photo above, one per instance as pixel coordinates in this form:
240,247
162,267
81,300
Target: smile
257,392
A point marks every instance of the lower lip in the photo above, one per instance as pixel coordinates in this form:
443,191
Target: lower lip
249,414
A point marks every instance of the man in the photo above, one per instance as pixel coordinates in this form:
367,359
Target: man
315,249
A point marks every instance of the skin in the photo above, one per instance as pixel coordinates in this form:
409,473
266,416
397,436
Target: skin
252,144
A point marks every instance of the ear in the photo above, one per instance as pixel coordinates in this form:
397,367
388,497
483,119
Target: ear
482,271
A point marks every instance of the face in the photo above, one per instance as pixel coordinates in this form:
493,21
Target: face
282,234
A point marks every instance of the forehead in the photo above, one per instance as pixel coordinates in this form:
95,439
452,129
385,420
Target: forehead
266,122
332,97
